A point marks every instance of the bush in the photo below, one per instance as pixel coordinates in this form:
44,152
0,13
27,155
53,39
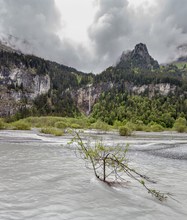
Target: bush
44,121
2,124
81,122
100,125
117,124
59,122
125,131
21,125
51,130
130,125
180,125
75,126
156,128
61,125
139,125
91,120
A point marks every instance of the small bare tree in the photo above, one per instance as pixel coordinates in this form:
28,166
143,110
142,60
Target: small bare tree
110,164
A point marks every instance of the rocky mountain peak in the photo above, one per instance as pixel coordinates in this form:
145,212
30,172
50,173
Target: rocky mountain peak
141,50
138,58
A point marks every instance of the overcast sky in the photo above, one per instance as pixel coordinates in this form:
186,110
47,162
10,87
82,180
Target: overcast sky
90,35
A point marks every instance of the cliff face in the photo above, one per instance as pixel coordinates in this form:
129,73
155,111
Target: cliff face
162,89
86,97
18,87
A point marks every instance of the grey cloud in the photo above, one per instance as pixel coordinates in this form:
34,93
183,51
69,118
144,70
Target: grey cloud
116,27
36,22
111,25
176,10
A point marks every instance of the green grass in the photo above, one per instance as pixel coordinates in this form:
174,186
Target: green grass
52,130
58,122
100,125
20,125
61,125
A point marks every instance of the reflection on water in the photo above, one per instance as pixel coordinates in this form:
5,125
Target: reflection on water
40,178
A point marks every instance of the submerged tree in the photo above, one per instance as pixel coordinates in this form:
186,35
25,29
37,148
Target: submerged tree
110,164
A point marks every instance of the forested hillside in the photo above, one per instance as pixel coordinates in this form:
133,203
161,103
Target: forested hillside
143,91
137,89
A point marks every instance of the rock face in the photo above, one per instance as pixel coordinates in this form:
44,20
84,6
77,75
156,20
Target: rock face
87,96
138,58
152,89
18,86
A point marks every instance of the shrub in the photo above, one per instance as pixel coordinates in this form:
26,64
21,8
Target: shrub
117,124
81,122
21,125
2,124
59,122
125,131
75,126
180,125
156,128
91,120
100,125
61,125
139,125
46,121
51,130
130,125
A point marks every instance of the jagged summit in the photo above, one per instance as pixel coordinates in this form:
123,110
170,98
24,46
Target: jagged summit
138,58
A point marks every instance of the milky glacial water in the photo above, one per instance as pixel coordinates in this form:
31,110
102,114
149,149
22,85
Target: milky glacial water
41,178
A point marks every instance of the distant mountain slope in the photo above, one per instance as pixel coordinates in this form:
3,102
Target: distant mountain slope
33,85
30,85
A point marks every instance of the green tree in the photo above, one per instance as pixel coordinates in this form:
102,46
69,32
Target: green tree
110,163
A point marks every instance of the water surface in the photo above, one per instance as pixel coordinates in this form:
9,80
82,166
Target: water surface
41,178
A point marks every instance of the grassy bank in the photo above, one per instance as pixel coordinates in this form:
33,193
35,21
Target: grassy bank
58,125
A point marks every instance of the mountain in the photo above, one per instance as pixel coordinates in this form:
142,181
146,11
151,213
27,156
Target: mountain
31,85
138,58
136,89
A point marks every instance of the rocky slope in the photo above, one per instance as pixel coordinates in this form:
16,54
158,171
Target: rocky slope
18,85
138,58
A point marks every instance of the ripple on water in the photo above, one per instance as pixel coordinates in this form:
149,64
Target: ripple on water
43,180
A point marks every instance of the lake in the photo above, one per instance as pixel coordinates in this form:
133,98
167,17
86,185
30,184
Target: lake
41,178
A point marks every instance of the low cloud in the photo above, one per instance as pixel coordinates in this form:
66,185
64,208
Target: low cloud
117,27
34,25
